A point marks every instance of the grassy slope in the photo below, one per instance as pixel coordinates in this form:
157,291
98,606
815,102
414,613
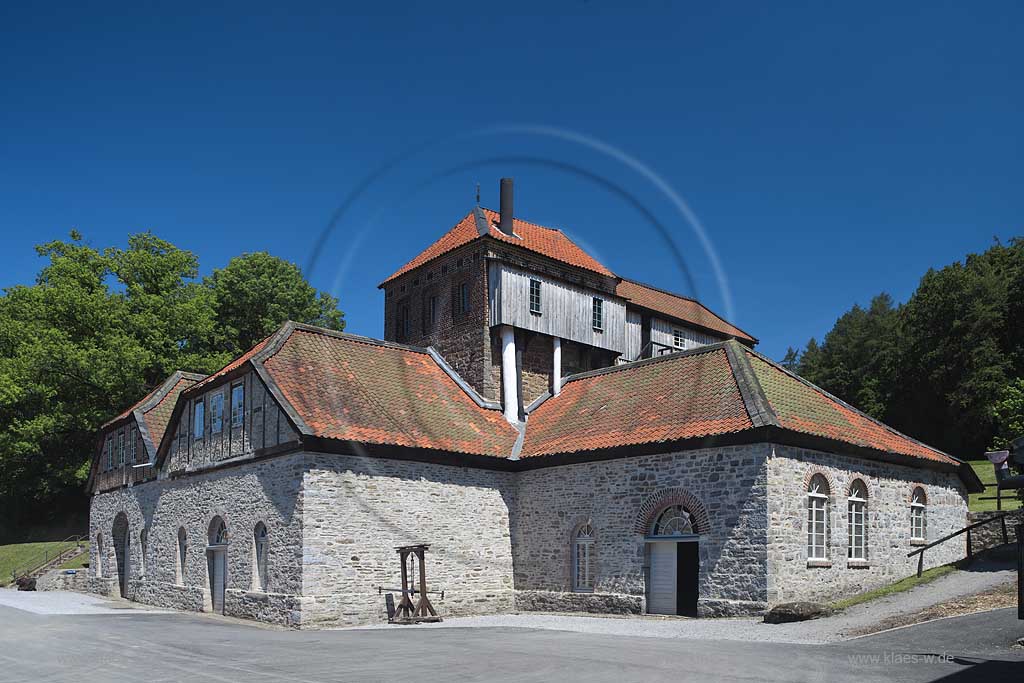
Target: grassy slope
987,475
20,554
898,587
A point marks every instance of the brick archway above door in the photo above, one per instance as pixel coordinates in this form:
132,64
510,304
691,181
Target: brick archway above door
660,500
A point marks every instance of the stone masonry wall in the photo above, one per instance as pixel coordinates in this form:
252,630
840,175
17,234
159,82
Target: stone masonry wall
888,510
551,503
462,339
356,510
266,491
991,535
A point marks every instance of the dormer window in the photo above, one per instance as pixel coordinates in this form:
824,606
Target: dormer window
535,297
598,314
678,339
198,417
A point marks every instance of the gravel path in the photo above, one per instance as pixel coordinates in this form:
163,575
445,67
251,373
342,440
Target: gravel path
66,602
830,629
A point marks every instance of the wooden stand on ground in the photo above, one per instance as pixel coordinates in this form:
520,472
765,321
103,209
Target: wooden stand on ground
406,612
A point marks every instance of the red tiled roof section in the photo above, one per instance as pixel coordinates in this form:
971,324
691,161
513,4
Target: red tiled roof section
348,389
158,417
686,396
536,238
803,408
679,307
233,365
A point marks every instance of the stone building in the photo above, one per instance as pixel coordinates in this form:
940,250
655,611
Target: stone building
561,437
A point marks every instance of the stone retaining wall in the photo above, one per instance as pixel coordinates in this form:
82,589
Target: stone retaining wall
991,535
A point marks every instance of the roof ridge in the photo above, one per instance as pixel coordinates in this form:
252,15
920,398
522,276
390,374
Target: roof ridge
662,290
755,401
846,405
358,338
707,348
523,220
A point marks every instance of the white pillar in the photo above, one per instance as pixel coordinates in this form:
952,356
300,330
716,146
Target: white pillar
509,381
556,366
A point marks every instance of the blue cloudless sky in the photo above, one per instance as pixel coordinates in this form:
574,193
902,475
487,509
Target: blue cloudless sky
829,153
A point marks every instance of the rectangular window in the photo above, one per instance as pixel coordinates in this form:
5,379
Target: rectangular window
217,413
917,532
535,297
237,404
816,527
678,339
464,297
198,417
133,445
858,532
402,330
110,452
598,314
120,448
583,580
430,312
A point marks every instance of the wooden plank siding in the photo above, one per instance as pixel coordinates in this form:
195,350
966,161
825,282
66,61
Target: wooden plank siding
566,310
663,332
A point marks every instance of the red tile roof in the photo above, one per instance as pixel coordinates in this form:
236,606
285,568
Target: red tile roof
536,238
671,398
802,407
158,417
350,388
679,307
233,365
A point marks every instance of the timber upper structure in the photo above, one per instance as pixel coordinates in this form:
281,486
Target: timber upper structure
562,437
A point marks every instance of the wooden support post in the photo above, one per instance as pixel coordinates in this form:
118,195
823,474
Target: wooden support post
920,564
1006,536
970,548
999,498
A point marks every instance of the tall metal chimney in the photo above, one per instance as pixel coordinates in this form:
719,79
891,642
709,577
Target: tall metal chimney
505,223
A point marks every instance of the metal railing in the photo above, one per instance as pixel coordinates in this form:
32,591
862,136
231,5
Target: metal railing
966,530
48,555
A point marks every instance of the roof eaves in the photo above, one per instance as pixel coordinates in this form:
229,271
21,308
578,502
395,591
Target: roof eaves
759,409
746,334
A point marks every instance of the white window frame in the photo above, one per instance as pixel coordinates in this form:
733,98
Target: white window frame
597,314
120,448
918,515
198,419
678,338
217,413
817,520
237,407
583,560
110,452
133,445
535,297
857,519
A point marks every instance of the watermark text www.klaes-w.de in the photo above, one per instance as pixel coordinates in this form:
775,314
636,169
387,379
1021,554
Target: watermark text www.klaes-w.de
899,658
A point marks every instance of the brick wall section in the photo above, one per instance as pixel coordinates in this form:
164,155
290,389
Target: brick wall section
357,510
552,502
889,490
463,340
267,491
991,535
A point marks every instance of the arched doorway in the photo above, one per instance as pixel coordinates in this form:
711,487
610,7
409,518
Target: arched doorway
673,555
217,560
121,551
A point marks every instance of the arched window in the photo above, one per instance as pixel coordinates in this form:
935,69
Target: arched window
817,518
143,537
262,545
182,554
857,508
673,521
583,559
218,532
99,556
918,521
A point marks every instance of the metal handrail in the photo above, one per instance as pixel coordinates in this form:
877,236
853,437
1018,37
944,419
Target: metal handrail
26,569
967,529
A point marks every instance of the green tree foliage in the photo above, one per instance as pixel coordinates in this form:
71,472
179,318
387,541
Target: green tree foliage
1008,414
935,366
98,330
255,292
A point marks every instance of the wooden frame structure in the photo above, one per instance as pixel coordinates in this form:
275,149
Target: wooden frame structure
406,612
